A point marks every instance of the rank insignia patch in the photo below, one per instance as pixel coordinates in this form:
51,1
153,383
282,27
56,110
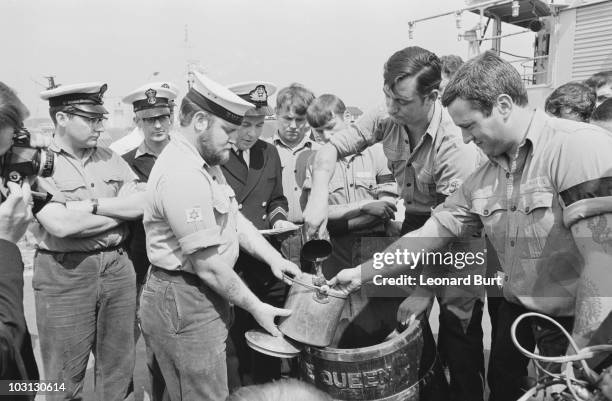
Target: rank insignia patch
194,214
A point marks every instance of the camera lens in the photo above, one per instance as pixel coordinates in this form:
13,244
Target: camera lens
46,163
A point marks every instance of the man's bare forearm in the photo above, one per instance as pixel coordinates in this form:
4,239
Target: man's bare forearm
364,221
323,168
62,223
222,279
432,236
344,211
128,207
98,226
593,237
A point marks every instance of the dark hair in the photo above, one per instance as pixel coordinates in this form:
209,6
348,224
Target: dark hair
579,97
12,110
603,112
295,96
188,109
481,80
323,109
415,62
57,109
450,64
280,390
599,79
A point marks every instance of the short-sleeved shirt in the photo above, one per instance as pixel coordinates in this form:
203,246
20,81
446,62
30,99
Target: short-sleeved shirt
562,173
362,176
101,173
294,162
189,207
435,168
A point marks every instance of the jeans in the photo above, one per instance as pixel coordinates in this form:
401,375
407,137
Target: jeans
507,366
185,324
86,302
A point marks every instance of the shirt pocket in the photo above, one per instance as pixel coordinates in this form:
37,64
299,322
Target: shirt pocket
538,219
224,200
492,212
365,182
425,182
73,190
112,185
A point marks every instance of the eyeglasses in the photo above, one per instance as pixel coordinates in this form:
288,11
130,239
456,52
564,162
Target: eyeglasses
163,119
92,121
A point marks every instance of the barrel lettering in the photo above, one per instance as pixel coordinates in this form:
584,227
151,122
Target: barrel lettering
340,383
326,378
371,378
354,380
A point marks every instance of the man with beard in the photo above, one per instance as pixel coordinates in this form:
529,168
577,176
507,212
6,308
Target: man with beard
194,231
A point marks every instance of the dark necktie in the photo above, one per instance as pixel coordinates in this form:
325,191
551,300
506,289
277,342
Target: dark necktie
241,158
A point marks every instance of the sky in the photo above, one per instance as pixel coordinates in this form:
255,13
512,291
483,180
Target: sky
330,46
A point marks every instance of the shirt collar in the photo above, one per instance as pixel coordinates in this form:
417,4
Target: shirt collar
532,139
188,149
434,123
306,142
58,148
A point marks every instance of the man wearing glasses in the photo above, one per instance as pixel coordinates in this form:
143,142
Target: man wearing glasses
84,282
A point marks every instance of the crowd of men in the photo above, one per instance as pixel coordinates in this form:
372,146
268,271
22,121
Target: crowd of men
164,240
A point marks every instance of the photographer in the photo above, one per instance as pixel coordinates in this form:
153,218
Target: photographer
16,356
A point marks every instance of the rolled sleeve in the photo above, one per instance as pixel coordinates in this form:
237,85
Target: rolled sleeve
455,215
186,199
386,184
585,188
201,239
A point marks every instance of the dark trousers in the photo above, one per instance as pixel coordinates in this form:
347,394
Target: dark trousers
252,365
462,350
507,366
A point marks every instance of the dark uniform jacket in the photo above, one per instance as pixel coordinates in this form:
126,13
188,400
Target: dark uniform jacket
259,193
16,355
137,245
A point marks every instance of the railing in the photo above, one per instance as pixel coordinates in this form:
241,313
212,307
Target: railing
534,72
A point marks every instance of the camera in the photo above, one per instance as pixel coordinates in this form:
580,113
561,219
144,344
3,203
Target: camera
22,160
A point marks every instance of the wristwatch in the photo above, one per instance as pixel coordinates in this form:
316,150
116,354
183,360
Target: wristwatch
94,205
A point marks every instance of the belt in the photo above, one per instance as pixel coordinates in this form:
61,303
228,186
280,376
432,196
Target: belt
176,276
113,248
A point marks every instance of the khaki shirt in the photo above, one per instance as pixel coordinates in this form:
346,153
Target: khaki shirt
436,166
294,162
362,176
564,170
100,174
189,207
